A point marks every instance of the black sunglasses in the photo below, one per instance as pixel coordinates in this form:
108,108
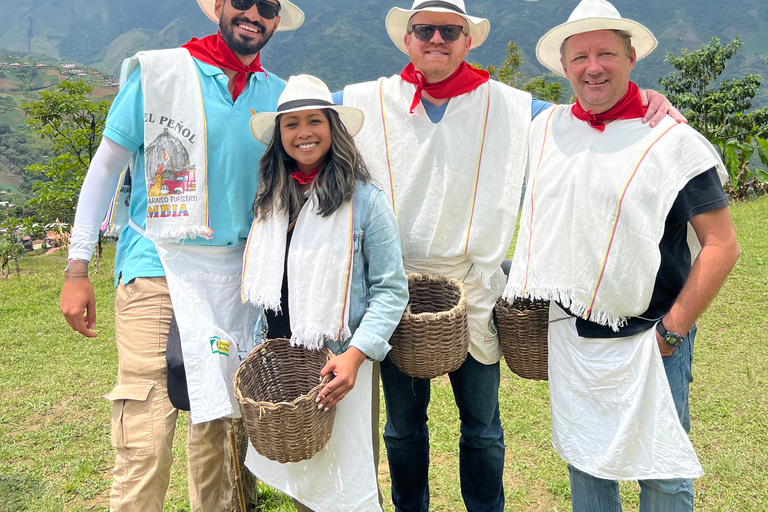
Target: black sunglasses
267,10
449,33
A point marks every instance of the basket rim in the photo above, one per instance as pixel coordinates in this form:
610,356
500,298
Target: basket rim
296,402
454,311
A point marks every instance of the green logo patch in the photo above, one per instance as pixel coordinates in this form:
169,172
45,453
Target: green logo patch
219,346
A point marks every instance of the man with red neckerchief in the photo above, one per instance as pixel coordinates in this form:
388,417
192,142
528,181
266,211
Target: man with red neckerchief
183,116
604,235
449,147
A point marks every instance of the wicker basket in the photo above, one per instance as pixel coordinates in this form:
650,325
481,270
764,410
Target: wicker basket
433,336
276,387
522,329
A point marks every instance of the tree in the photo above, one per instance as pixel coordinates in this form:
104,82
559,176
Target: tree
719,112
12,244
719,109
509,73
73,124
540,89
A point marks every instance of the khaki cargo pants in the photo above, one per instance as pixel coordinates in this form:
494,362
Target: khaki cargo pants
143,419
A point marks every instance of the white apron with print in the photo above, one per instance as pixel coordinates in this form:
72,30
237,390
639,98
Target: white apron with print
340,477
613,415
214,324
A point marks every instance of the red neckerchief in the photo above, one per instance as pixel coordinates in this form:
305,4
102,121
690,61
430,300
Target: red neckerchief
213,50
306,179
465,79
630,107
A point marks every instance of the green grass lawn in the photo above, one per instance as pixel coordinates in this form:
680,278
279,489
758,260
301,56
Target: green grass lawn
55,449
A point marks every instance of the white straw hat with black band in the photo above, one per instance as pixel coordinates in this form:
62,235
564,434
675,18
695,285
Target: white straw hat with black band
591,15
291,17
304,92
398,19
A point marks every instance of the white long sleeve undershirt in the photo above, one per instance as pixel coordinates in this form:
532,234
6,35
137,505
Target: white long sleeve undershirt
98,189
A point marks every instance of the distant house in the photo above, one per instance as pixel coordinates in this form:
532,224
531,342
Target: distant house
41,66
51,239
69,66
15,65
26,65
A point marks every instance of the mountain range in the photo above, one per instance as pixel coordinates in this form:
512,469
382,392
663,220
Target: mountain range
344,41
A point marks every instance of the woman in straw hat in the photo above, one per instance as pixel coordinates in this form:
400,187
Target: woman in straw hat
324,264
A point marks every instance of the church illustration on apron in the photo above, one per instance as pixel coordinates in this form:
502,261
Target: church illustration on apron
168,169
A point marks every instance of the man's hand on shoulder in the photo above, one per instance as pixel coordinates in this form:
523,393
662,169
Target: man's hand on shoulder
658,107
78,302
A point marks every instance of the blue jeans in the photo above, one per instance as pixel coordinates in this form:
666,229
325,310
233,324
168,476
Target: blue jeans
591,494
481,446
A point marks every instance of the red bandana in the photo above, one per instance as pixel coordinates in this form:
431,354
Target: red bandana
465,79
306,179
213,50
630,107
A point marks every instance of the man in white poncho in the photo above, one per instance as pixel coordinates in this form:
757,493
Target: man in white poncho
604,236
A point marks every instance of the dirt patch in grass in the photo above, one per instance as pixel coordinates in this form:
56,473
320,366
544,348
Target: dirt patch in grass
8,85
101,92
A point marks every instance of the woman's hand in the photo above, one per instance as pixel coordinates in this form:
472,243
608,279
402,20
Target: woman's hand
344,369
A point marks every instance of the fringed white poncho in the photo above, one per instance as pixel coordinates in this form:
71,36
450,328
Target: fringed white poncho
454,185
595,209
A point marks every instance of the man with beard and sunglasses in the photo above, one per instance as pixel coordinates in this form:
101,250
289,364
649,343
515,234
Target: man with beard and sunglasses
449,148
182,120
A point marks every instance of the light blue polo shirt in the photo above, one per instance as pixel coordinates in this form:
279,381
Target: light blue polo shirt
233,162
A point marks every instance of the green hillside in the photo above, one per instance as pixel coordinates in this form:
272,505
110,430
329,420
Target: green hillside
22,82
344,41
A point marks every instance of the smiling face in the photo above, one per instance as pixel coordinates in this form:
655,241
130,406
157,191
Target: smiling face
437,59
245,32
597,65
306,136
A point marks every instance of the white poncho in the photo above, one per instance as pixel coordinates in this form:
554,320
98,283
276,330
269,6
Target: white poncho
595,208
454,185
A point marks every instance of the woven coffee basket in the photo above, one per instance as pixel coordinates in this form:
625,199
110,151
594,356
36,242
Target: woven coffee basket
433,336
523,329
276,387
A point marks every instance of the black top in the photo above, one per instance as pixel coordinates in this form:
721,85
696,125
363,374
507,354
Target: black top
279,324
702,194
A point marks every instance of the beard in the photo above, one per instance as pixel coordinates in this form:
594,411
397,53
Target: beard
243,46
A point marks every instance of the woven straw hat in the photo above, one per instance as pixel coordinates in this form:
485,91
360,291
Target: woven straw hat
588,16
304,92
397,20
291,17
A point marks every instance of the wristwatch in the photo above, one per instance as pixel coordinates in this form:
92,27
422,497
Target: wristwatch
672,339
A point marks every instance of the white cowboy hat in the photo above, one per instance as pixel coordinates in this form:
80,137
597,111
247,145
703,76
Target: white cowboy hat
304,92
291,17
397,20
588,16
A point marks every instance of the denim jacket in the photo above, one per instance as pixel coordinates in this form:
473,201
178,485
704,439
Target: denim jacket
379,287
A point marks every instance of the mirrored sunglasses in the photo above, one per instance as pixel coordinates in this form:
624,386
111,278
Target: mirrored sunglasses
449,33
267,10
